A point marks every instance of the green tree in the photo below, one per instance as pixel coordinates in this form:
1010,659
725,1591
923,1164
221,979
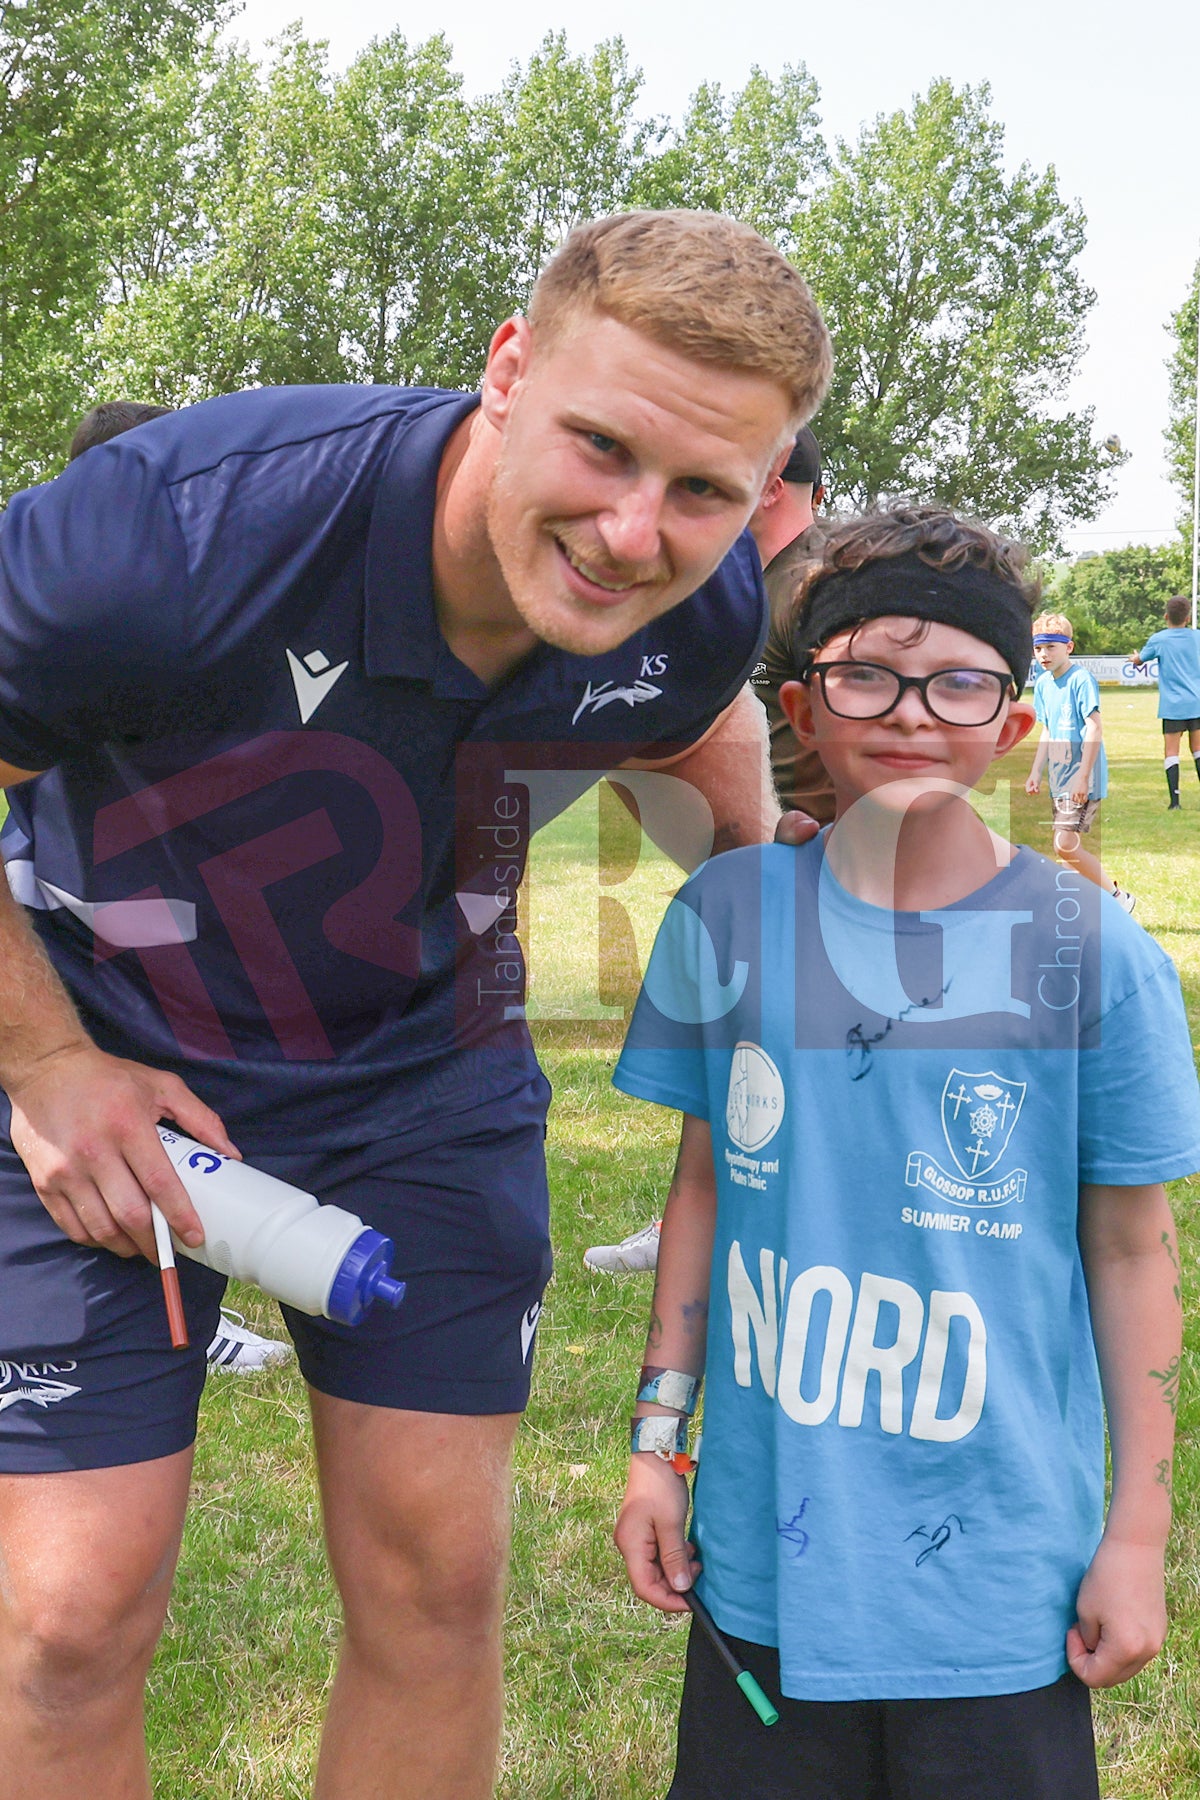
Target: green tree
957,309
756,155
68,69
222,254
570,148
1181,431
1115,599
422,258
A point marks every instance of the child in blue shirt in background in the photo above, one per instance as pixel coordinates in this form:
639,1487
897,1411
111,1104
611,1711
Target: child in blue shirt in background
917,1240
1066,699
1177,651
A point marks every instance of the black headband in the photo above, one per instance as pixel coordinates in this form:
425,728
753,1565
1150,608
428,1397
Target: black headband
973,599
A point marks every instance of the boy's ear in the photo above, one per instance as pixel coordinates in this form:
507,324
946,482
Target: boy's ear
795,700
1020,722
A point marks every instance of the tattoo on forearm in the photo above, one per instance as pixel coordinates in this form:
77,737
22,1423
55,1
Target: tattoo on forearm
1169,1377
1170,1250
1163,1477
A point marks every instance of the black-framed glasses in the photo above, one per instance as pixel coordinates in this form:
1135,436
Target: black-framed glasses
863,690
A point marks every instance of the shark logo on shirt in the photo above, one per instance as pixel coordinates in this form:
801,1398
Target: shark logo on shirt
596,698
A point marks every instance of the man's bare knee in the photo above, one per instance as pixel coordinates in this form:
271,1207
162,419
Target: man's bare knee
452,1588
86,1562
68,1649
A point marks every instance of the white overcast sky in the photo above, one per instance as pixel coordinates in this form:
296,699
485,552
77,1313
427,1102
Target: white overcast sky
1108,92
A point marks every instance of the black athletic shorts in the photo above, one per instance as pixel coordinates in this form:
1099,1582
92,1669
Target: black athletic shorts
1180,725
1032,1746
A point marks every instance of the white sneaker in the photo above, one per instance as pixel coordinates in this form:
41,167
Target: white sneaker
1125,901
240,1351
637,1252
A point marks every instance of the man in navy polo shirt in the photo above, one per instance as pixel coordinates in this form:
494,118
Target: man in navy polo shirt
286,680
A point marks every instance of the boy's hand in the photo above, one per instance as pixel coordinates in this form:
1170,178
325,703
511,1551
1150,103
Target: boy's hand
1079,795
1033,785
1121,1611
649,1533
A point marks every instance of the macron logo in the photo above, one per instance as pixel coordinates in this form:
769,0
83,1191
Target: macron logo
313,679
528,1327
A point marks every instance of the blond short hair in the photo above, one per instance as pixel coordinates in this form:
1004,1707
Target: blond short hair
704,285
1054,622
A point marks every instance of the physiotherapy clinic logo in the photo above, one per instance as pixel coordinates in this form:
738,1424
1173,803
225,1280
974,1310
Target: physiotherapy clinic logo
756,1100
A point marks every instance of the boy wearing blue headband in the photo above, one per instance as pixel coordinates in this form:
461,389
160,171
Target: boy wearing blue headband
917,1241
1067,701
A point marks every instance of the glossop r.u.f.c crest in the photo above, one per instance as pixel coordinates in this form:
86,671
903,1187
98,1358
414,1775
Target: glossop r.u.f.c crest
979,1112
978,1115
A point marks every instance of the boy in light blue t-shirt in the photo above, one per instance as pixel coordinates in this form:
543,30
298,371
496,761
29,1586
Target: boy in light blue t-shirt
917,1242
1066,699
1177,652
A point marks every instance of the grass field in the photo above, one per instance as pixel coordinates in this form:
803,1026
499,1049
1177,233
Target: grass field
238,1686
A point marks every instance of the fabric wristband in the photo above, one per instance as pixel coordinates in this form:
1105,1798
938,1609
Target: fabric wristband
662,1437
670,1387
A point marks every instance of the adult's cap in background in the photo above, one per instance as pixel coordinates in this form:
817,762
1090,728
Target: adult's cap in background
804,463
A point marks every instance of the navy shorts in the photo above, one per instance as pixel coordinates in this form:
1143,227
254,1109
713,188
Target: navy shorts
1180,725
1031,1746
88,1378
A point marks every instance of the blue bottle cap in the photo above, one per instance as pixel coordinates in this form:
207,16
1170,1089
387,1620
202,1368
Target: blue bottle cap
363,1277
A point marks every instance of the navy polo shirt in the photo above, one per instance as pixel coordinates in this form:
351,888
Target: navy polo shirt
278,841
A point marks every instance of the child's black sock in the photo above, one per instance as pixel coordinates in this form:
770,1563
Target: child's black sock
1172,769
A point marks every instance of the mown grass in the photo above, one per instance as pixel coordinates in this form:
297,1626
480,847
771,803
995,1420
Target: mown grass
238,1686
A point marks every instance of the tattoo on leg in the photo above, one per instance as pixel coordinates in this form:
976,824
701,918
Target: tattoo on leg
1169,1378
654,1335
1170,1250
1163,1476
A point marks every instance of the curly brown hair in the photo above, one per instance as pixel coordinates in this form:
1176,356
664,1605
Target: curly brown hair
934,533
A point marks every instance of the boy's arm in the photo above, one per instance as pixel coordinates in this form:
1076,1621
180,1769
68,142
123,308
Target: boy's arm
650,1529
1093,737
1127,1240
1034,781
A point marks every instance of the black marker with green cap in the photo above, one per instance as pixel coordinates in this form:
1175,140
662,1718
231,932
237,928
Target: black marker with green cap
743,1677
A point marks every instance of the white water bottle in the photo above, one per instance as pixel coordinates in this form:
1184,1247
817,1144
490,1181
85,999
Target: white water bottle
319,1259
